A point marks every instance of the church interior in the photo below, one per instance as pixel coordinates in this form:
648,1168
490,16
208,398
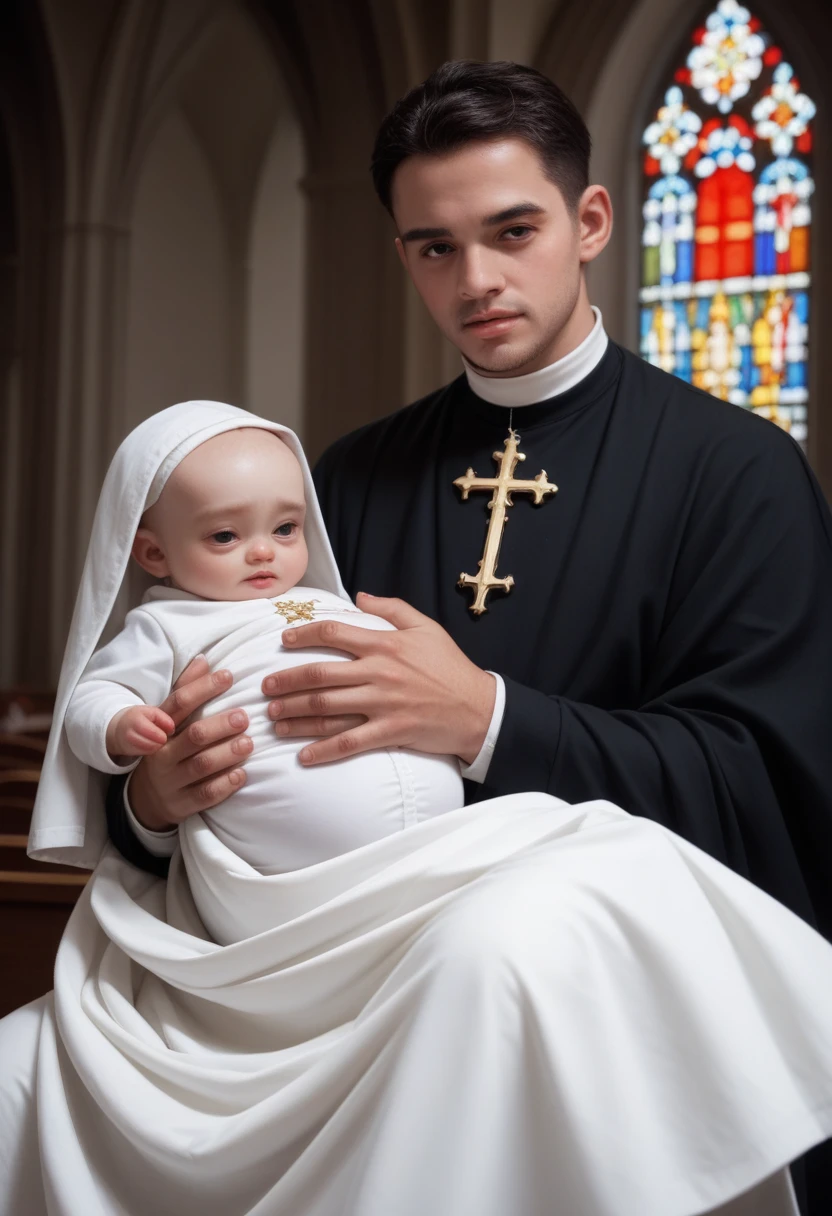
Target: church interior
186,212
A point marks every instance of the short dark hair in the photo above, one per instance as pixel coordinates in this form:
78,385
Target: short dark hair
463,101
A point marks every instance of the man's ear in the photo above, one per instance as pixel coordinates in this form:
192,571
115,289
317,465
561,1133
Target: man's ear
402,255
595,219
148,553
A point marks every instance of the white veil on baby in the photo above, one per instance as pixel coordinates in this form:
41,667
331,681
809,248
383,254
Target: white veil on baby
68,823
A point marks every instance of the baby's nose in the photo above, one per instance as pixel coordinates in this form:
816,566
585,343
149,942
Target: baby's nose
261,549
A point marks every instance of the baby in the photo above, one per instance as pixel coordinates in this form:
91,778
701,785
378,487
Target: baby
225,540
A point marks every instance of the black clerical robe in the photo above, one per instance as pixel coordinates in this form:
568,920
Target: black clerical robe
667,643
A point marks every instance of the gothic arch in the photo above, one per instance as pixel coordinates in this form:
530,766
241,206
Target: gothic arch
126,69
147,85
354,321
221,109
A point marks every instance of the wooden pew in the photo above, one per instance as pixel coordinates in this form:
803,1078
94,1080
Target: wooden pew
36,898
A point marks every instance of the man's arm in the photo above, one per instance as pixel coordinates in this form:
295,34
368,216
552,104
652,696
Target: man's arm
125,838
730,745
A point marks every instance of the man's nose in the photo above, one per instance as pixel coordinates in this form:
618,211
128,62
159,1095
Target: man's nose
260,550
479,274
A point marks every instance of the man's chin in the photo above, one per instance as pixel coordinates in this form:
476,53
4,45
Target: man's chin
504,360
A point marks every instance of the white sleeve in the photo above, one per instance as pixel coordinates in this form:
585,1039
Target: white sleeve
478,770
160,844
135,668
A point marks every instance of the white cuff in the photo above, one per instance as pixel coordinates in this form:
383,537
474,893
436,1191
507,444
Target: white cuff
478,771
86,731
160,844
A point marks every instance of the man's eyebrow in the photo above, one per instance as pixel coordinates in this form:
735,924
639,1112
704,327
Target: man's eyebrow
500,217
513,213
425,234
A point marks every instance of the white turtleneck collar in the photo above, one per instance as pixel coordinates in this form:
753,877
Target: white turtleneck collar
551,381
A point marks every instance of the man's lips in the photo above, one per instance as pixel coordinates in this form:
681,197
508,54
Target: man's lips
491,324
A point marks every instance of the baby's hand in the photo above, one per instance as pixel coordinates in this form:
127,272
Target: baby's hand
138,731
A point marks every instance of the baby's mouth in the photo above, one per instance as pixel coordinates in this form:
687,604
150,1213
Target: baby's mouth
262,576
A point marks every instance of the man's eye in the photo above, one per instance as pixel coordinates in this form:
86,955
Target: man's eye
285,530
517,232
439,249
223,538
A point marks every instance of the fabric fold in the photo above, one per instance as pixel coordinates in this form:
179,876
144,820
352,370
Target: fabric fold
519,1002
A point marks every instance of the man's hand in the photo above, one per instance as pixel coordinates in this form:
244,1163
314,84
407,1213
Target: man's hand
412,688
198,767
139,730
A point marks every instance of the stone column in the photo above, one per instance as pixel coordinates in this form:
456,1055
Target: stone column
353,316
88,404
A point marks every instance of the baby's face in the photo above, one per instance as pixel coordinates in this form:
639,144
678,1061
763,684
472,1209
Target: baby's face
229,523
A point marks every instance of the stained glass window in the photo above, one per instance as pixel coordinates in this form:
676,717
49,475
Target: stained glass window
727,174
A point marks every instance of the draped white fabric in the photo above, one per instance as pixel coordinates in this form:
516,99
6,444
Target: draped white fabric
520,1008
68,820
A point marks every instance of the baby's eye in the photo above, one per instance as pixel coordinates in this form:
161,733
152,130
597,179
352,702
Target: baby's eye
224,538
285,530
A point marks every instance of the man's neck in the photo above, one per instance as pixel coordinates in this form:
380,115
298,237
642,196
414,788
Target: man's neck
551,381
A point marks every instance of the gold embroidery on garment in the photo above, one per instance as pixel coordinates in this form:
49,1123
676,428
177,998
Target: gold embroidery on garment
502,486
295,610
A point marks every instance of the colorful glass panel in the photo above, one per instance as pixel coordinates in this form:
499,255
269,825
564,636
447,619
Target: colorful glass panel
727,174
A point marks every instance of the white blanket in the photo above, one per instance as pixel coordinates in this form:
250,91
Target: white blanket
520,1008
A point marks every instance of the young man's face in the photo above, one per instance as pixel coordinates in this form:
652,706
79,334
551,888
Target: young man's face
496,254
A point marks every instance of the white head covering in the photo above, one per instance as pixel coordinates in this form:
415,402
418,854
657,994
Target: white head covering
68,823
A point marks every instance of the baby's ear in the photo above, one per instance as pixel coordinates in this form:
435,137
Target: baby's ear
148,553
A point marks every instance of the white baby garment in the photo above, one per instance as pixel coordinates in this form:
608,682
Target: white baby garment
286,816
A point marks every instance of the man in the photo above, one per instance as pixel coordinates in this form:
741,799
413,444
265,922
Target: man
663,640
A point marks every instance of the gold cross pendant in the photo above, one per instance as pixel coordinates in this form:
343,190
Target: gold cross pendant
295,610
502,486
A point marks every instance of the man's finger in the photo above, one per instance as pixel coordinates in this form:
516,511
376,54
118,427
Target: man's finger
316,728
366,738
337,636
207,733
315,676
196,668
397,612
185,698
210,761
325,703
211,792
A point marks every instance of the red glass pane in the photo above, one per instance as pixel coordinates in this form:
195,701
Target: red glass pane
724,225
